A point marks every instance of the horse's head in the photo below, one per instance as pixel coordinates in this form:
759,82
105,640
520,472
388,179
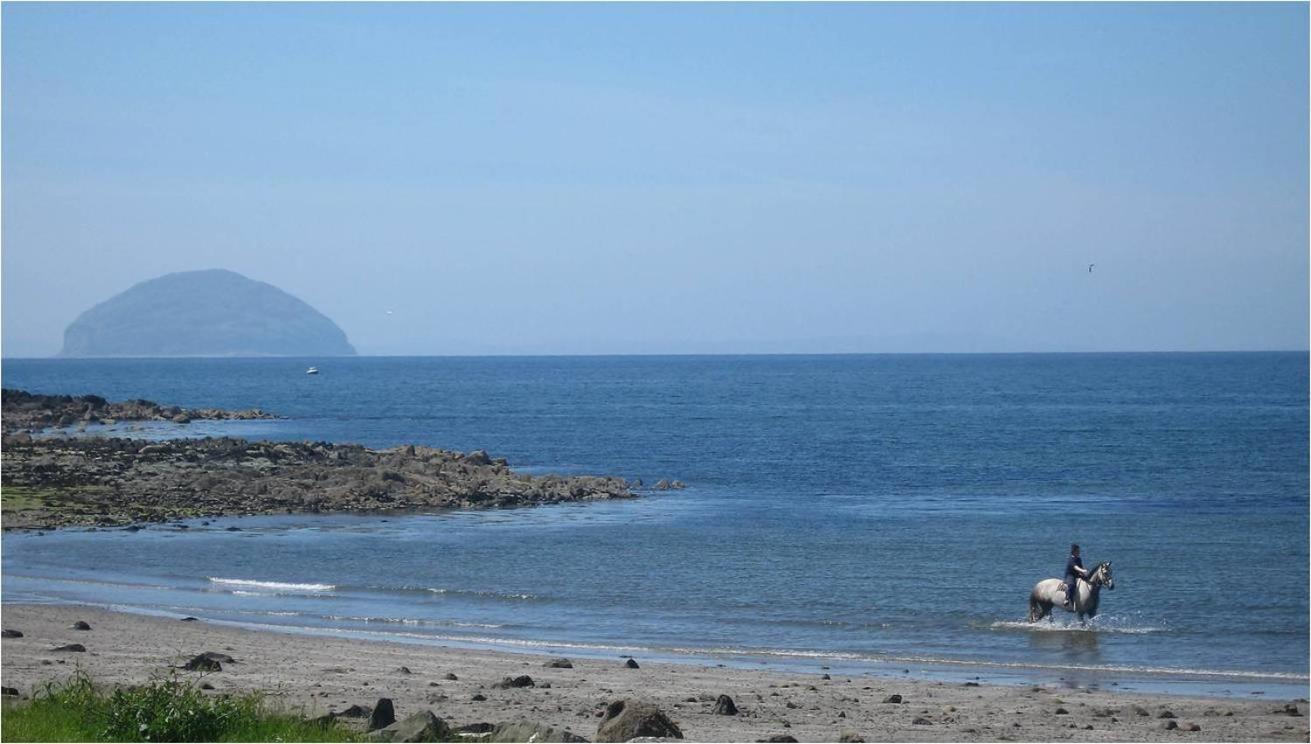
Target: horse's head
1102,575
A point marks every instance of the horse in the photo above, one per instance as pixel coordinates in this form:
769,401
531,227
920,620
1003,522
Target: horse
1051,592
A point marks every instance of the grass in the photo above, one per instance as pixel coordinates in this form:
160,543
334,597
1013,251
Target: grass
166,709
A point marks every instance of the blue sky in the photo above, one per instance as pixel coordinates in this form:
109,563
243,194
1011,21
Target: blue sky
672,178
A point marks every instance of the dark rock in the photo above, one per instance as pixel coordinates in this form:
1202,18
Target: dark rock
1166,714
188,619
894,698
202,663
419,727
1170,725
80,625
475,728
632,664
513,731
825,677
70,647
1140,710
1191,727
724,706
1062,712
7,633
383,715
355,711
781,739
850,737
478,457
478,698
629,719
662,485
1291,709
450,676
922,722
10,691
206,686
403,670
559,664
522,680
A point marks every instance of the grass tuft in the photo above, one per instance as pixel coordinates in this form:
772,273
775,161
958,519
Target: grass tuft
165,709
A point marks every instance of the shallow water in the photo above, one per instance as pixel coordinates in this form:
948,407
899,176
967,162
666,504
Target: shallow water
867,513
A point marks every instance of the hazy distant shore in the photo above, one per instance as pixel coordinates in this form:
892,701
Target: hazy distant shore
319,674
90,481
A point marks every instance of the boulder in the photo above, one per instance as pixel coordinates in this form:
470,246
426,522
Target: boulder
559,664
522,680
80,625
632,664
724,706
920,721
478,457
629,719
383,715
70,647
419,727
850,737
781,739
511,731
7,633
893,698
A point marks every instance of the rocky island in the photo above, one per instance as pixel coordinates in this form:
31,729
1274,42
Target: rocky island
203,313
55,480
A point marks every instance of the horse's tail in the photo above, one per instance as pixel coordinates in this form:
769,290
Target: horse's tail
1034,611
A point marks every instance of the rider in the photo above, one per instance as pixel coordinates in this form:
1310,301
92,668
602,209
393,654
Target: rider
1074,571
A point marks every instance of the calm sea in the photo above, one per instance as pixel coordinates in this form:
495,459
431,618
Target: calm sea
866,514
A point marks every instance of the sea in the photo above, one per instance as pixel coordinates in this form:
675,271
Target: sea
882,515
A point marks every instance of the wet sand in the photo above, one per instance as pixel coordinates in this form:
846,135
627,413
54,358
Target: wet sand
317,674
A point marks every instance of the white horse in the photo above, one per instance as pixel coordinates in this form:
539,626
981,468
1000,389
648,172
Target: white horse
1050,593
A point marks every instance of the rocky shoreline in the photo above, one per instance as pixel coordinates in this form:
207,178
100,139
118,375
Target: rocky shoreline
62,481
31,411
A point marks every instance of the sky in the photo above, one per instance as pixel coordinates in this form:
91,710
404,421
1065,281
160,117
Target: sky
633,179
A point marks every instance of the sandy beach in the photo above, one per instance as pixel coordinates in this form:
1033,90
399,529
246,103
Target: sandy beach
316,674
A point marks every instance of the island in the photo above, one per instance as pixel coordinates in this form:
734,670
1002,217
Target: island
203,313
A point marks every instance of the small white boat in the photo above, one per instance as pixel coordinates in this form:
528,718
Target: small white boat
312,371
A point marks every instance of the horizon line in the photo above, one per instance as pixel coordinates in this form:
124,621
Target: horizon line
512,355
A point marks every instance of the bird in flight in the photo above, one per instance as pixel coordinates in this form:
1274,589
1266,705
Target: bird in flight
1090,267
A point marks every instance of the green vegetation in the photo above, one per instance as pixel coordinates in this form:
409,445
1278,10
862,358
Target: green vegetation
163,710
25,498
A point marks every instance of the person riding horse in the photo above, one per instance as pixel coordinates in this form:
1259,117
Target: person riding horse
1074,571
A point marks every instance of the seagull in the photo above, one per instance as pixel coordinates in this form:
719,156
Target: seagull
1090,267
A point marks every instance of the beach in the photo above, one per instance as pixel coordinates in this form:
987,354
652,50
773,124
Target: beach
317,674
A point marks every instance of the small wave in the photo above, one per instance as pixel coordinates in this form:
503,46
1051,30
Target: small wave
410,621
253,587
524,596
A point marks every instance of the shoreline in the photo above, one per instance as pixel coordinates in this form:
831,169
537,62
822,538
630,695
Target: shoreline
317,673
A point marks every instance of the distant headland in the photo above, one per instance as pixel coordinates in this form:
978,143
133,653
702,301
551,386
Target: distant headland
203,313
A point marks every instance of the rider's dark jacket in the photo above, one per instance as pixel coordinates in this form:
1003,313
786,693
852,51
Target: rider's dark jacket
1070,564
